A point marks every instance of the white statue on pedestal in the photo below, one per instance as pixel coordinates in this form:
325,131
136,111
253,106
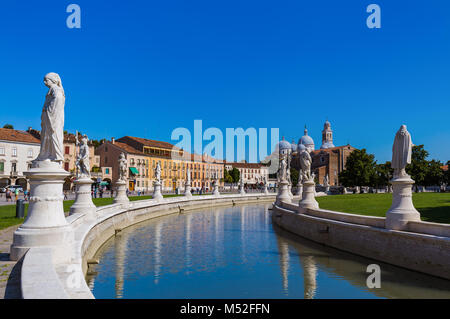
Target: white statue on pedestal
82,162
188,175
325,180
305,164
158,173
122,167
401,152
52,121
282,171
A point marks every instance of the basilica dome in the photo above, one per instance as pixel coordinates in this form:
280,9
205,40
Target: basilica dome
307,141
284,145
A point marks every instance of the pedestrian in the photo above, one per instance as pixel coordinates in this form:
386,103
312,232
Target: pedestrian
17,194
65,195
8,195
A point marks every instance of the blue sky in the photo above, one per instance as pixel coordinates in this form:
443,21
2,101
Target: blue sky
144,68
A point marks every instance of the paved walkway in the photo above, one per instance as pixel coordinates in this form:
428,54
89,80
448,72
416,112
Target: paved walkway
9,270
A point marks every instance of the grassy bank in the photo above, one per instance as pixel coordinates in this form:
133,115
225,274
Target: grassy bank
8,212
433,207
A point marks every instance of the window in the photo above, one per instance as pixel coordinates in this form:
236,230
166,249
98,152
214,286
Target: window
14,152
13,167
2,151
67,150
106,170
2,166
66,166
30,153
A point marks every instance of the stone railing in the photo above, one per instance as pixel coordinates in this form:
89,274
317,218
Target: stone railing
46,275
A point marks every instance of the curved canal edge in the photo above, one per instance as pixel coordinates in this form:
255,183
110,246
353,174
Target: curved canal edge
424,247
44,277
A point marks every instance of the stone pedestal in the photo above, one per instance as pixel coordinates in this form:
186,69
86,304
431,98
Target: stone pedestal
299,190
121,193
402,209
45,225
216,190
290,191
157,195
187,189
83,200
283,193
308,197
327,189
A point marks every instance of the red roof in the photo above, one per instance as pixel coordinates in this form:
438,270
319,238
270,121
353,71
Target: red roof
17,136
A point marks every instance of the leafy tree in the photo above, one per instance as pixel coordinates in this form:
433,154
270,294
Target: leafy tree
418,167
383,174
447,174
227,177
235,175
434,174
294,176
359,169
8,126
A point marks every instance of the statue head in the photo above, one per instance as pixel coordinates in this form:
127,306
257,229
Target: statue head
51,79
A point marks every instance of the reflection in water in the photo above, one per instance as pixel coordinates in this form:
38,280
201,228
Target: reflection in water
236,252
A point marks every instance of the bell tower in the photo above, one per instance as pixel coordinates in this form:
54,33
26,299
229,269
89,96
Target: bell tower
327,136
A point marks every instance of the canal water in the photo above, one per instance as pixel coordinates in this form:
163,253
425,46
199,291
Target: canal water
236,252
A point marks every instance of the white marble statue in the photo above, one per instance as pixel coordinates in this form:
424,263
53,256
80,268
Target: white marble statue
158,173
288,170
325,180
122,167
52,120
188,174
283,168
401,152
82,162
305,164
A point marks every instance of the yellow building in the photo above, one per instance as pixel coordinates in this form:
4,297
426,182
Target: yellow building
144,154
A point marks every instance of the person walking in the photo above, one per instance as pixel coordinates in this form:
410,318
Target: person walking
17,194
8,195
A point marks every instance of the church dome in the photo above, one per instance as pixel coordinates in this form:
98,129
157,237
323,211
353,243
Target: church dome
293,146
284,145
306,140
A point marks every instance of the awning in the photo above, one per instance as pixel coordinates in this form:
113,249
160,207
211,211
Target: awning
134,171
104,183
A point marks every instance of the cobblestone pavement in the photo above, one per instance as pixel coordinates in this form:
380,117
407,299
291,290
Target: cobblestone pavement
9,273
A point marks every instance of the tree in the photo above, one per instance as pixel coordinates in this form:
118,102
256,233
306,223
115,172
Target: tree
294,176
359,169
418,167
447,174
8,126
383,174
434,174
235,174
227,177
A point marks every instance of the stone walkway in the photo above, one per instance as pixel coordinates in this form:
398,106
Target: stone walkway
9,270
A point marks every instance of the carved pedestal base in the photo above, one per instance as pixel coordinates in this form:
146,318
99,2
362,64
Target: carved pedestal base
83,200
157,195
402,209
308,197
283,193
187,190
45,225
290,191
299,190
121,197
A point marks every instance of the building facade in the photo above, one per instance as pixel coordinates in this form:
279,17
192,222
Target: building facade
143,155
252,173
17,150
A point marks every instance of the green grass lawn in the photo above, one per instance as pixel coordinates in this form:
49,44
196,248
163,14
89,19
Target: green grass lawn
433,207
8,212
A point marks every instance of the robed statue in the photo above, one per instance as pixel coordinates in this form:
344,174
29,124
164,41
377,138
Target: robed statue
283,168
305,164
188,175
401,152
52,120
122,167
158,173
82,162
